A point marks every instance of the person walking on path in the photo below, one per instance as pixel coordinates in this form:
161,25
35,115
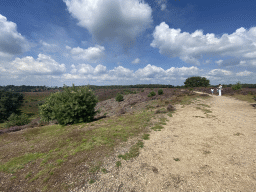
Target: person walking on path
212,91
220,87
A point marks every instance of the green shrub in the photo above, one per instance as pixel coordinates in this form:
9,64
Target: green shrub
237,86
73,105
119,97
160,91
151,94
19,120
142,90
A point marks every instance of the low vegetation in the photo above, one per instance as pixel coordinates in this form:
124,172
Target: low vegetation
62,157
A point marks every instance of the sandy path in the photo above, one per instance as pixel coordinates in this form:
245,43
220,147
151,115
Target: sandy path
211,157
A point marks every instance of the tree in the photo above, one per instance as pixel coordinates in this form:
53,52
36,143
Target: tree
237,86
197,82
9,103
73,105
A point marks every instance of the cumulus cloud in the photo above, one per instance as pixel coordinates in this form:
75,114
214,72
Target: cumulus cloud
11,42
42,65
183,71
111,20
244,73
219,72
149,73
191,47
136,61
92,54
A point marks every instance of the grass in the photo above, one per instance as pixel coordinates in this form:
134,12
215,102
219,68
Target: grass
248,98
134,151
54,145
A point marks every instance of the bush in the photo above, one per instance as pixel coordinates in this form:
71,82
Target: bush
119,97
151,94
197,82
160,91
19,120
237,86
73,105
142,90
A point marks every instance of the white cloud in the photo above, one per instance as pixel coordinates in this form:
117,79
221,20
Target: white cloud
183,71
191,47
42,65
11,42
100,69
244,73
136,61
110,20
121,72
150,71
92,54
219,72
47,44
163,7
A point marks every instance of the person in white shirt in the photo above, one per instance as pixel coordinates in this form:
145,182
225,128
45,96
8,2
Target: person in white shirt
220,87
212,91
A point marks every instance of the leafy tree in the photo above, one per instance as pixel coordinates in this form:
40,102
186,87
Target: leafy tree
73,105
9,103
237,86
160,91
197,82
119,97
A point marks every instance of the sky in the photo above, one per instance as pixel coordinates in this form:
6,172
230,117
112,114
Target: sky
126,42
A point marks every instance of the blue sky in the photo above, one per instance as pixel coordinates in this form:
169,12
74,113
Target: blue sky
126,42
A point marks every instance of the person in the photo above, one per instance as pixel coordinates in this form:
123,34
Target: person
212,91
220,87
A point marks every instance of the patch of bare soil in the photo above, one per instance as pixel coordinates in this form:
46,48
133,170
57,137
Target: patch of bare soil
201,148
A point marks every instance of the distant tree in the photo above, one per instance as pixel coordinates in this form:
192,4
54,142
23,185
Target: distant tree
237,86
73,105
9,103
197,82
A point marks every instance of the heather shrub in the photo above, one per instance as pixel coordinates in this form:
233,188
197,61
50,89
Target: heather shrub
72,105
18,120
151,94
170,108
160,91
119,97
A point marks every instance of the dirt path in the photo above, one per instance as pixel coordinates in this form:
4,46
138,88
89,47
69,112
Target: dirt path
216,153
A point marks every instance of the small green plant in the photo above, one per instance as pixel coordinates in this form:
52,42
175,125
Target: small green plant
237,86
142,90
145,137
119,98
118,163
28,175
92,181
176,159
160,91
151,94
104,170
